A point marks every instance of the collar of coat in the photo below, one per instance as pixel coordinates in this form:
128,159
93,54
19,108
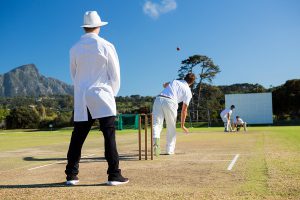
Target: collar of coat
88,35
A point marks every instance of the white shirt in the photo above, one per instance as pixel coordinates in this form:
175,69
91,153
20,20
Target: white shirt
225,112
95,71
179,91
239,121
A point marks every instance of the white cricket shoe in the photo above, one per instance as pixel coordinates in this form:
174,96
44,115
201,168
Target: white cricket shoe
72,182
119,181
170,153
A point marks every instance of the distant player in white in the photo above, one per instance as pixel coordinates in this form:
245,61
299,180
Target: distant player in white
238,122
225,115
165,107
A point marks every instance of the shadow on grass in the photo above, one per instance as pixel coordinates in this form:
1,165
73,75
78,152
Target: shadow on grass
57,129
166,154
47,130
84,160
48,185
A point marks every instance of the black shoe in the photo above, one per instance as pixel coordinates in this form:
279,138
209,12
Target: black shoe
72,180
117,181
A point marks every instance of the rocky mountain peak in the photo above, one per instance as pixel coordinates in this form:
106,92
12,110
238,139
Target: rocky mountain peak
27,81
26,68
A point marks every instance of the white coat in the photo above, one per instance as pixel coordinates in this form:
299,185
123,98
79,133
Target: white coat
95,71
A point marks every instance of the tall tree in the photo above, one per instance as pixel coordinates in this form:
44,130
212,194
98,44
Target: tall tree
202,66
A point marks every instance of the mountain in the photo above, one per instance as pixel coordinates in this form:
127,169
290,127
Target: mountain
27,81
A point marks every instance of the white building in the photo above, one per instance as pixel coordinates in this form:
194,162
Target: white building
254,108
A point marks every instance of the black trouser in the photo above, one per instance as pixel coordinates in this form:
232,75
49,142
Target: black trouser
79,134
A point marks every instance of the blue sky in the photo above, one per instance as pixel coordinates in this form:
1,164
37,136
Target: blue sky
253,41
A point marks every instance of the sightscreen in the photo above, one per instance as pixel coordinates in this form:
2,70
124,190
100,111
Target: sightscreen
254,108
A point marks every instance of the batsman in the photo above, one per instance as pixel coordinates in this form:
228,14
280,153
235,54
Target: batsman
225,116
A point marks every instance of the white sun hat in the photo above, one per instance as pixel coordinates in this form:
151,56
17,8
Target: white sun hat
91,19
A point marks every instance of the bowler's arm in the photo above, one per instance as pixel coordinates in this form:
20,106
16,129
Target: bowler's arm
183,117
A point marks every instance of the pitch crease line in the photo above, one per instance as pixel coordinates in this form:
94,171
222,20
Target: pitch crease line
233,162
56,163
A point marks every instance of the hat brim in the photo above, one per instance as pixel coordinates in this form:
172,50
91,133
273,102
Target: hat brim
94,25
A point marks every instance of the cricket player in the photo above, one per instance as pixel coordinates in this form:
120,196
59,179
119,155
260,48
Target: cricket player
95,72
238,122
165,108
225,116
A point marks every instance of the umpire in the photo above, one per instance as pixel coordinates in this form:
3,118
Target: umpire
95,72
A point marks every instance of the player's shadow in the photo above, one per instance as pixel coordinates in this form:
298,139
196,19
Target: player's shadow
48,185
125,157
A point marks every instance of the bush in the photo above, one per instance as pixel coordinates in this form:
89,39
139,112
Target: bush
63,119
3,113
22,117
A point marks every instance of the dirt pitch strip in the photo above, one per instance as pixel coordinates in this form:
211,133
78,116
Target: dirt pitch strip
264,163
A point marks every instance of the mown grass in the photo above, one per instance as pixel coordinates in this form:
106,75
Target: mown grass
17,139
274,171
268,168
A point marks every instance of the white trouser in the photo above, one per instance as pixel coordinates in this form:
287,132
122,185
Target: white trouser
227,124
165,108
244,125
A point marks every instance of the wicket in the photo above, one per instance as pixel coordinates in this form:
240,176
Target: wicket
146,135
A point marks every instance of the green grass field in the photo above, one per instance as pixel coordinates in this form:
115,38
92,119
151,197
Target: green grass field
268,167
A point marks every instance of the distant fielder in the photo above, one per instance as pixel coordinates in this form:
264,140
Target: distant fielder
225,115
238,122
165,107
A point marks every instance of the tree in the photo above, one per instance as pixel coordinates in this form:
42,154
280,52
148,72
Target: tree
42,111
134,104
63,119
23,117
241,88
3,113
204,67
213,102
286,102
